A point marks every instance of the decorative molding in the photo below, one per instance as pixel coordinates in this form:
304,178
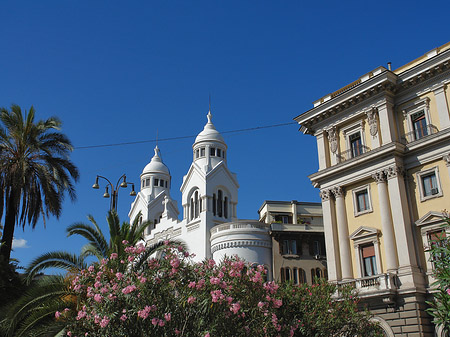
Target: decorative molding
325,195
338,191
241,244
379,177
372,118
332,138
393,171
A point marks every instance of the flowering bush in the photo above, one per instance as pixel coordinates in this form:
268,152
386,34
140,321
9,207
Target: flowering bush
171,296
440,257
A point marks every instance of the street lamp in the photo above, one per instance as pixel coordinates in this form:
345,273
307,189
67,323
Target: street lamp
122,182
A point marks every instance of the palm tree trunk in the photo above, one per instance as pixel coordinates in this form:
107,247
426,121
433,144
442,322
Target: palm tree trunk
10,223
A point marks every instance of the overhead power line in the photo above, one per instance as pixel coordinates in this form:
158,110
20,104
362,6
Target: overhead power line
180,137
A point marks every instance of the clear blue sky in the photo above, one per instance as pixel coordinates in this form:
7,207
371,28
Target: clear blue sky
118,71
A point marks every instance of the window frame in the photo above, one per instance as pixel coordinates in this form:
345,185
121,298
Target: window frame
365,236
413,108
351,130
355,193
419,180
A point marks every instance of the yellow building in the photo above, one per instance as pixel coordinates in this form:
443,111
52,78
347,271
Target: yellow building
384,178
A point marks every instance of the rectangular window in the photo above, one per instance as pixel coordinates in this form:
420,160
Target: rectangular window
289,247
369,260
202,152
219,154
429,184
147,182
316,248
197,153
419,125
155,182
161,183
362,200
212,151
355,144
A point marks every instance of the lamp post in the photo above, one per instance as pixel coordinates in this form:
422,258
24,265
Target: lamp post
122,182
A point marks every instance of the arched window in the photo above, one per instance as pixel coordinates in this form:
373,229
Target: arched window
192,209
295,275
301,275
196,204
214,204
220,203
225,208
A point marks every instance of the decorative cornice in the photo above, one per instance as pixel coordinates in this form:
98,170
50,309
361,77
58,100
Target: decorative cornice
379,177
241,244
338,191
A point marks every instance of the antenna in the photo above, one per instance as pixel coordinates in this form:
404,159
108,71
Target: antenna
156,137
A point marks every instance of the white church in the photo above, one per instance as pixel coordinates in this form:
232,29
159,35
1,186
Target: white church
209,226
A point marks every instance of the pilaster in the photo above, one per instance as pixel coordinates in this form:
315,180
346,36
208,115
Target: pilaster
442,107
321,151
408,271
387,122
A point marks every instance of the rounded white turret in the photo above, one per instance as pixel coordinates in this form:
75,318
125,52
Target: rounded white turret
155,177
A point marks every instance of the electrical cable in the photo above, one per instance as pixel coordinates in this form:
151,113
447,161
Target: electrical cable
180,137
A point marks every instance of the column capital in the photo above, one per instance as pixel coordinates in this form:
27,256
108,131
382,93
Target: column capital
446,158
393,171
325,195
338,191
379,176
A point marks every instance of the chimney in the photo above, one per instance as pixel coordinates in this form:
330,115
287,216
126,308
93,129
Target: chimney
389,66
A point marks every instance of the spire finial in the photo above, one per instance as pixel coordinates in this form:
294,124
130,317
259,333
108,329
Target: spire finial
156,137
209,111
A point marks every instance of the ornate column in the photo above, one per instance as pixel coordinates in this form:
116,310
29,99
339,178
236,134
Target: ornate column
442,107
408,271
344,242
390,249
331,239
334,148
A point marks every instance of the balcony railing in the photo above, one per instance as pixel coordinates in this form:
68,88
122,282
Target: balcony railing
419,133
353,152
372,284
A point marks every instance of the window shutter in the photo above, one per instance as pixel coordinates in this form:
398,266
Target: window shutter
368,251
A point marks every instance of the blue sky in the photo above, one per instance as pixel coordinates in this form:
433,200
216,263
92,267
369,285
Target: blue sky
116,71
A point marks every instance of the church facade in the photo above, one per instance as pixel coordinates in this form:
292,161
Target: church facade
209,226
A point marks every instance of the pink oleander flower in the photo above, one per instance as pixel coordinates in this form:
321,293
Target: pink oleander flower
90,269
177,332
98,298
104,322
57,314
155,321
277,303
119,276
125,242
448,291
261,304
175,263
161,323
191,284
69,333
123,318
191,300
207,335
214,280
235,307
167,316
81,314
129,289
130,258
143,314
114,256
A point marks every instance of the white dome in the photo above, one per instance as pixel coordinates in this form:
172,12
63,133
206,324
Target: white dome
156,165
209,133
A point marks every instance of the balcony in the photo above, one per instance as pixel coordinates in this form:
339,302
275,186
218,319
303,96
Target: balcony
417,134
354,152
372,285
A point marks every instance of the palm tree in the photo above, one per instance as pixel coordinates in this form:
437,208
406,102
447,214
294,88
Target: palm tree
97,245
35,171
34,313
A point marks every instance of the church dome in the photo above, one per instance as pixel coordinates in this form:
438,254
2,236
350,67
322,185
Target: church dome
209,133
156,165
